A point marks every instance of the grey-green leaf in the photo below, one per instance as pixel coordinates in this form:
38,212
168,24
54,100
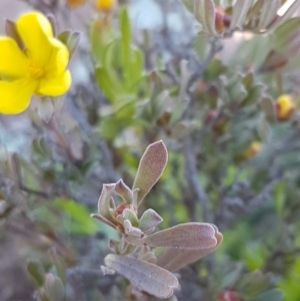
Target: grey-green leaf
173,259
105,201
193,236
151,167
124,191
149,219
204,11
54,288
146,276
239,13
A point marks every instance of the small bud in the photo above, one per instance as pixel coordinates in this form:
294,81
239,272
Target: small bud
105,5
120,208
222,20
218,121
252,150
227,295
75,3
285,107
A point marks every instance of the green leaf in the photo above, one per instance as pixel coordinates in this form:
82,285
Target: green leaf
253,283
125,107
36,271
110,53
81,222
105,83
270,295
137,66
284,32
111,127
126,49
279,197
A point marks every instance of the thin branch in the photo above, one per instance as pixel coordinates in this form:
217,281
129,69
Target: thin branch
35,192
191,174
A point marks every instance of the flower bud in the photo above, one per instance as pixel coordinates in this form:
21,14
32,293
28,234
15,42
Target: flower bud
105,5
218,121
252,150
228,295
222,20
75,3
285,107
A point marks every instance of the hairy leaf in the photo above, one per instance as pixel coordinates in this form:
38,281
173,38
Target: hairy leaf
288,14
204,11
239,13
151,167
105,201
189,236
268,13
124,191
173,259
147,276
149,219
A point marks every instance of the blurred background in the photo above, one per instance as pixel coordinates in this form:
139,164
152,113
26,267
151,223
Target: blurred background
219,83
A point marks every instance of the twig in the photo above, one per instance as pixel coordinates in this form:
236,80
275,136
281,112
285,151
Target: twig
35,192
192,178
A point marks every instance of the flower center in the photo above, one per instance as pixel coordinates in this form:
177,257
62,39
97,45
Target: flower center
35,71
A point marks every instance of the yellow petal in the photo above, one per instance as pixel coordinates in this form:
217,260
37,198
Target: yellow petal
13,62
35,31
55,86
58,60
15,95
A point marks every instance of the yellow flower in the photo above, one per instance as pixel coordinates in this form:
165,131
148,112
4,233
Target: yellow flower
39,68
105,5
285,107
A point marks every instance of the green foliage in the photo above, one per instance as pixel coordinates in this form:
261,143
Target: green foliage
77,217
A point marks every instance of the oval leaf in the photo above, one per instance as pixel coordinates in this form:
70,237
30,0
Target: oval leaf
147,276
36,270
204,11
149,220
193,236
54,288
174,259
151,167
